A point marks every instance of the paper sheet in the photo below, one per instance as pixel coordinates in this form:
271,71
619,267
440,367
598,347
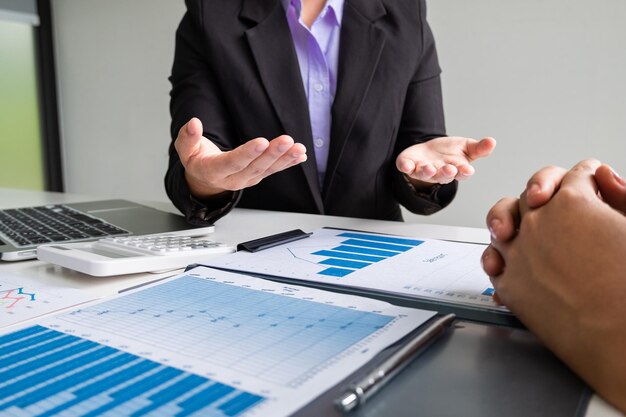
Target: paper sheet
20,302
424,268
204,343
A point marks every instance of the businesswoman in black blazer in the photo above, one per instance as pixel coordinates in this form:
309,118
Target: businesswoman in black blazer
243,72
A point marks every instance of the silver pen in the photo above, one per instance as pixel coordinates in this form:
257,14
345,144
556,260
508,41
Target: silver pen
361,391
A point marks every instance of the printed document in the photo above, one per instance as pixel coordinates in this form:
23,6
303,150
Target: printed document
424,268
204,343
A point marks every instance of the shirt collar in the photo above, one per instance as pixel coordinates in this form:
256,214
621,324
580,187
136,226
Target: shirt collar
335,5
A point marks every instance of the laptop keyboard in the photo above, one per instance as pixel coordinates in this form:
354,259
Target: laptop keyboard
55,223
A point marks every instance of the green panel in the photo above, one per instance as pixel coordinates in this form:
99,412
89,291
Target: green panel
21,164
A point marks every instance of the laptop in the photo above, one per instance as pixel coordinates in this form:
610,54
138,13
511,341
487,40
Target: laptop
23,229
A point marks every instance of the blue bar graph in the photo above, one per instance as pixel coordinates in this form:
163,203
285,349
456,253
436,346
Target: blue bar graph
44,372
347,255
360,250
377,245
238,404
336,272
206,396
383,238
345,263
489,291
365,251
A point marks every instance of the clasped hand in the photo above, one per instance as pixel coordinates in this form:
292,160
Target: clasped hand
570,207
556,259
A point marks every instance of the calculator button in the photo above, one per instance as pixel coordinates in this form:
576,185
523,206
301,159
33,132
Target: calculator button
163,245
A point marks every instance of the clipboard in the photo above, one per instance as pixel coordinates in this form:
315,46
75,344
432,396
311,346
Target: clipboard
475,370
463,311
463,372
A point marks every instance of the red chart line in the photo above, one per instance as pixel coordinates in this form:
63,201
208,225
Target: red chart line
12,295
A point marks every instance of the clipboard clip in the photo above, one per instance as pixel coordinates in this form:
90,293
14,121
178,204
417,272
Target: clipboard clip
273,240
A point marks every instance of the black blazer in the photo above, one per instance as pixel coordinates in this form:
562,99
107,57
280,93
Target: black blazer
236,69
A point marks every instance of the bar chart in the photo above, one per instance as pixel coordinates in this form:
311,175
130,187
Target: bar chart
446,271
360,250
44,372
204,343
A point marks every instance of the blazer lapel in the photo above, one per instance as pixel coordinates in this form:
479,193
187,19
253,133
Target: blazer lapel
361,45
273,51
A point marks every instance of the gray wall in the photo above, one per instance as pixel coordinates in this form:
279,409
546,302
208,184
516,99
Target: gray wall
547,79
113,61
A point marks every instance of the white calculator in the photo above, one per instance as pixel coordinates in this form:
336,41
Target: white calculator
133,254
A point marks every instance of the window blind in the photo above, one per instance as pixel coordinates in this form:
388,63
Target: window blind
24,11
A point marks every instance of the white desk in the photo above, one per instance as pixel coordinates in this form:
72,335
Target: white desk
238,226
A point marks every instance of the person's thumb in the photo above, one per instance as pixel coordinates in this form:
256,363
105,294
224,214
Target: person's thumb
612,187
481,148
193,127
190,142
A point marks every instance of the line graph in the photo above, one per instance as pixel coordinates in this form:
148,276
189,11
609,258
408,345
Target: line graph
21,300
9,298
272,337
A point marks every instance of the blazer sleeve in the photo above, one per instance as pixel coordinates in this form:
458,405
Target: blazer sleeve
195,93
422,120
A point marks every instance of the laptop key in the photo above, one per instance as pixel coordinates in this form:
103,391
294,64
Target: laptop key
53,223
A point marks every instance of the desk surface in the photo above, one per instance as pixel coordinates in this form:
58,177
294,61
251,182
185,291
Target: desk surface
238,226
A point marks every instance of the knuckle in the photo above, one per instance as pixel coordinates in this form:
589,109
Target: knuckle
492,213
586,165
529,224
269,172
237,165
571,195
252,182
235,185
504,202
255,171
503,206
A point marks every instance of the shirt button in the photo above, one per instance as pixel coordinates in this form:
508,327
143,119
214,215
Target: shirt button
318,142
319,87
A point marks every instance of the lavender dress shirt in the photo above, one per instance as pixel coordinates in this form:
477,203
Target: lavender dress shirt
317,49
